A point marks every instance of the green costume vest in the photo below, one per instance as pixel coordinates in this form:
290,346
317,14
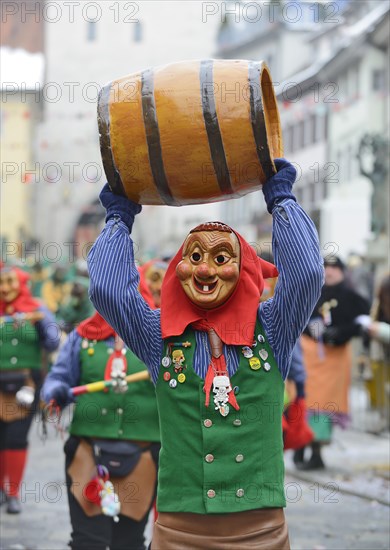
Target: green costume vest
19,346
132,415
210,464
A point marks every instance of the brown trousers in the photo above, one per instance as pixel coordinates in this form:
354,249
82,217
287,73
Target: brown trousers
264,529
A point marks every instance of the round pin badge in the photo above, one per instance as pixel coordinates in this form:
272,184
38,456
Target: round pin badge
167,376
247,352
267,367
173,383
166,361
254,363
181,378
261,338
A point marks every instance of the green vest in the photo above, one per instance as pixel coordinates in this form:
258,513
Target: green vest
132,415
210,464
19,346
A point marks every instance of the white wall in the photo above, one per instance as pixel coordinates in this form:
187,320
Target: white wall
171,31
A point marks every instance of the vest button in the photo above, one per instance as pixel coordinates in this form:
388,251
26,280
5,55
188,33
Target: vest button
120,411
14,341
209,458
104,411
120,432
207,423
240,493
14,360
239,458
211,493
237,422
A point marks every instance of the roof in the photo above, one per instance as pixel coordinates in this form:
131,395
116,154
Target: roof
21,68
354,36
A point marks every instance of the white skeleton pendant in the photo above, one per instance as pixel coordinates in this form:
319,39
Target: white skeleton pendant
221,389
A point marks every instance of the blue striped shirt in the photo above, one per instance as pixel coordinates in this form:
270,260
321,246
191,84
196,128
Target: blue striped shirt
114,291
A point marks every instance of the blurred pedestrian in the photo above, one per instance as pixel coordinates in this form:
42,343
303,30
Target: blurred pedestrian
76,307
328,358
26,328
123,437
56,289
377,329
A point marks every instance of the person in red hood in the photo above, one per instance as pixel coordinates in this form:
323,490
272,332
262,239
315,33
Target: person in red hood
121,434
26,329
218,359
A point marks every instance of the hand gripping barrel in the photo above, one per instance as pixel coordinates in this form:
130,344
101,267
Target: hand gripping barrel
191,132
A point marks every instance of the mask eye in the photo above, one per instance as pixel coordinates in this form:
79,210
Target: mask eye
221,259
195,257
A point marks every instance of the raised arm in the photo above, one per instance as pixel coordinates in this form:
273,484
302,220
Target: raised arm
114,282
297,256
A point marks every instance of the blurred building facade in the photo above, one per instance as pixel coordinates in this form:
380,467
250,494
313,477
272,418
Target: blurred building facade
329,97
21,81
83,53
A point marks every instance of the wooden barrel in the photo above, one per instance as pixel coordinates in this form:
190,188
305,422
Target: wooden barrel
190,132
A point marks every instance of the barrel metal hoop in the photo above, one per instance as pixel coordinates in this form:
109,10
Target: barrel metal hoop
217,150
153,139
113,177
257,118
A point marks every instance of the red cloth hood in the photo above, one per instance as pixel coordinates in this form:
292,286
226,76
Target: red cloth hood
95,328
235,320
25,301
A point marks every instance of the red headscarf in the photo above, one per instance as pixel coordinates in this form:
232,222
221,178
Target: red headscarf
235,320
24,302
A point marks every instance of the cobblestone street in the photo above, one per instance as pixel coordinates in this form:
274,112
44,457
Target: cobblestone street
320,514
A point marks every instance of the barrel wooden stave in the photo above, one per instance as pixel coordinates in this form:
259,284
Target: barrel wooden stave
166,138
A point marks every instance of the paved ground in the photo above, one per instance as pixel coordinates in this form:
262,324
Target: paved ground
320,513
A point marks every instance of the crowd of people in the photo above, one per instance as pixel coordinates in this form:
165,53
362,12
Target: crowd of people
162,363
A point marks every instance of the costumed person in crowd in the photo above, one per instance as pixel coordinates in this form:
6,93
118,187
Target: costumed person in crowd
56,289
214,354
76,307
121,432
328,358
27,329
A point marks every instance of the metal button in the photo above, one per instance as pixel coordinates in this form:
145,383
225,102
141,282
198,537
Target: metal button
14,341
239,458
120,432
207,423
237,422
104,411
240,493
14,360
209,458
120,411
211,493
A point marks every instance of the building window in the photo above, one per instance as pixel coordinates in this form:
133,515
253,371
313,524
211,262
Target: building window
378,80
137,31
91,31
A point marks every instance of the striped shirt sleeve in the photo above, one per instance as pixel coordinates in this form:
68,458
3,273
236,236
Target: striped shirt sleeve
114,293
301,275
